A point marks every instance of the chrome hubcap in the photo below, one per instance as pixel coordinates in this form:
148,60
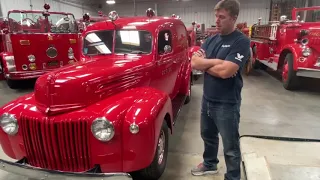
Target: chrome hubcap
161,147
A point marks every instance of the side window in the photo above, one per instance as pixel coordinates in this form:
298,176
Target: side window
165,38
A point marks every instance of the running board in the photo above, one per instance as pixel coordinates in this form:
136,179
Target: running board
308,72
177,104
272,65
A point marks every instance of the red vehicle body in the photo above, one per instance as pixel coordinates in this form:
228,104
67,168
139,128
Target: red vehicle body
108,114
194,45
36,42
290,46
243,27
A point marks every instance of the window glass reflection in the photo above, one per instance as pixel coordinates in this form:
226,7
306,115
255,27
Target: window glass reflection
132,41
126,42
98,43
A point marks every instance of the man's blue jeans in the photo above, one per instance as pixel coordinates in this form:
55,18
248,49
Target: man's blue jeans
223,118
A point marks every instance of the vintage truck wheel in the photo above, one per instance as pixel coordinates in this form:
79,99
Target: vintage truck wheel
248,67
188,98
289,79
1,69
158,165
13,84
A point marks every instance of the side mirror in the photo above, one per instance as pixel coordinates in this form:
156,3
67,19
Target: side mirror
167,49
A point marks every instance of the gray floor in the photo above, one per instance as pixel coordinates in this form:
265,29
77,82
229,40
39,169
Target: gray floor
267,109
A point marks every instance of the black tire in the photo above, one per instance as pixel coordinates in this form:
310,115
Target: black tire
292,82
256,63
188,98
13,84
1,68
155,170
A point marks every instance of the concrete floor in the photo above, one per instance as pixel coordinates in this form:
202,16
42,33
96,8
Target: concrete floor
267,109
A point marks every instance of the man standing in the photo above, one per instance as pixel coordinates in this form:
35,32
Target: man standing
222,58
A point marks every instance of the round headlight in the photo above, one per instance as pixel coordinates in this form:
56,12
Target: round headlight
306,52
102,129
32,58
9,124
304,41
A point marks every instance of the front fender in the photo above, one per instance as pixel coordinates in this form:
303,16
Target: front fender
148,112
293,49
4,63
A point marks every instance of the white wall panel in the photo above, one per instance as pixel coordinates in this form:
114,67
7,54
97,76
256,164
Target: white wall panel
316,2
55,5
200,10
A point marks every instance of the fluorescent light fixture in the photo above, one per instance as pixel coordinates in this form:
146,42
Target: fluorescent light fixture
110,1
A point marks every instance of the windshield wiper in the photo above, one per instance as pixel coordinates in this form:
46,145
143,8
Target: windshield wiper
137,52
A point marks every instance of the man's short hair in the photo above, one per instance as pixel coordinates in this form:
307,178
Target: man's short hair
232,6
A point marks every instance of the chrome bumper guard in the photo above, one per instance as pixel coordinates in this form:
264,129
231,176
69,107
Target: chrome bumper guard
23,169
308,72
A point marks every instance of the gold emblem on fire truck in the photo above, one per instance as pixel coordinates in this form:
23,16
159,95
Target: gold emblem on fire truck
50,38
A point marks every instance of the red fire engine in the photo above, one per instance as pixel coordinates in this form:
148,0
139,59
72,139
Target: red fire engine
291,47
33,43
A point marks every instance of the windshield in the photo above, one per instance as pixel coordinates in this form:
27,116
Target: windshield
309,16
126,41
38,23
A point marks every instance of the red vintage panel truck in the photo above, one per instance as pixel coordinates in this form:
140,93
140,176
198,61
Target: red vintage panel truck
36,42
108,114
291,47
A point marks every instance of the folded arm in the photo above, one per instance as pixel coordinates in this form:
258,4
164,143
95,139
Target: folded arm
203,64
224,70
237,58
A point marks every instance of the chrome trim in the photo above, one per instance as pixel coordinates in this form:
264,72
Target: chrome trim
38,173
308,72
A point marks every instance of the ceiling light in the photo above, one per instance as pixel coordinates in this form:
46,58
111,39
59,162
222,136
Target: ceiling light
110,2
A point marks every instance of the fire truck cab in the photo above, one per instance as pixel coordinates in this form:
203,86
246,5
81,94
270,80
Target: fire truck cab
291,47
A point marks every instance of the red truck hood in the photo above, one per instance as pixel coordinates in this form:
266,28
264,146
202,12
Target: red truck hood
82,84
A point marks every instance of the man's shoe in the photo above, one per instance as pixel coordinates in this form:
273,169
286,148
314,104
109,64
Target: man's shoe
201,170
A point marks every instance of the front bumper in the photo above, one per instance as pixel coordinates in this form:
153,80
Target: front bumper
308,72
23,169
17,75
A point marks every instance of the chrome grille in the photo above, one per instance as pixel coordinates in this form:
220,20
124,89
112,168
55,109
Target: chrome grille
57,144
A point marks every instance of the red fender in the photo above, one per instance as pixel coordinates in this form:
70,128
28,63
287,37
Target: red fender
2,55
293,48
149,110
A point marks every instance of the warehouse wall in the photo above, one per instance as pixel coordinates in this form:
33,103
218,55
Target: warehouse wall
316,2
55,5
200,10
